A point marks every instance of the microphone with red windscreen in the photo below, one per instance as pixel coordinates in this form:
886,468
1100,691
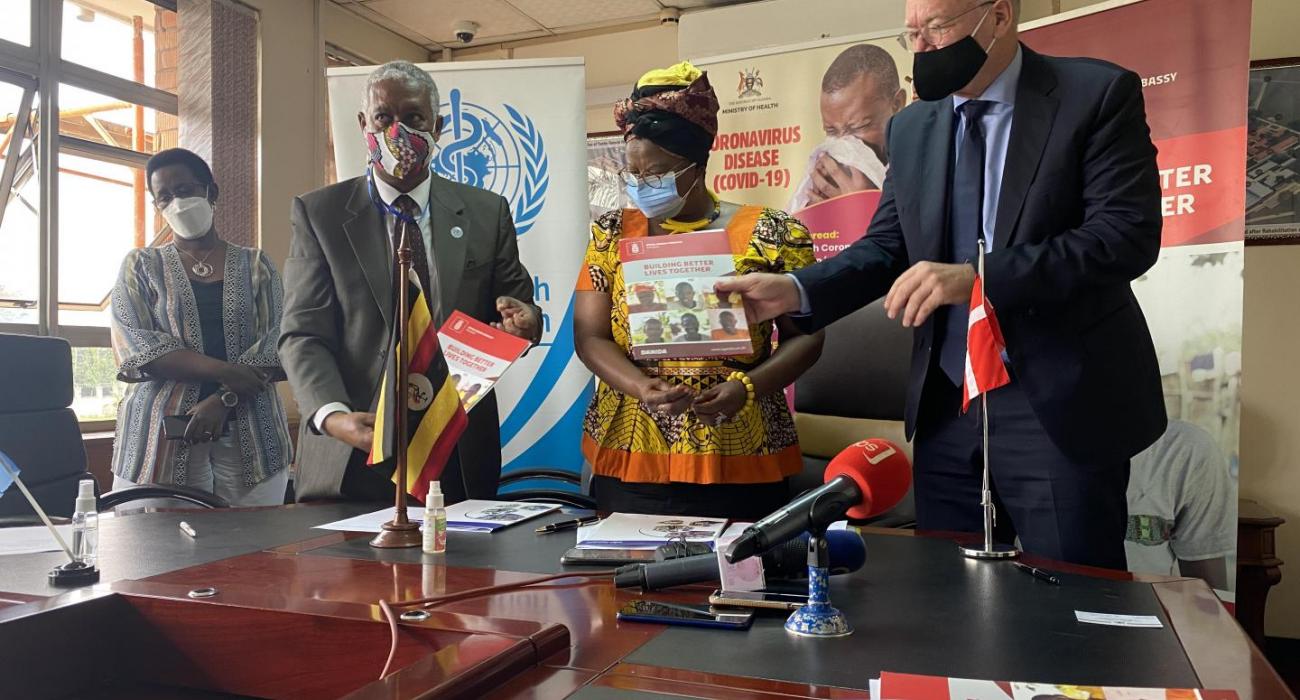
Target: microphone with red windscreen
864,480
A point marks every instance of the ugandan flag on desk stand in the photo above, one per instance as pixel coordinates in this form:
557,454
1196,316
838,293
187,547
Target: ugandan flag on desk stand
435,418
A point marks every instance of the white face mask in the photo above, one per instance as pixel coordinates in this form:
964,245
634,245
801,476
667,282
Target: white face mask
190,217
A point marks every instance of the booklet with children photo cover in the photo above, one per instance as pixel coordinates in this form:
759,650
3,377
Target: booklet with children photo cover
672,309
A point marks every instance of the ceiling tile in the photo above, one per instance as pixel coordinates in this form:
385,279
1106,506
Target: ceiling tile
555,14
496,18
384,21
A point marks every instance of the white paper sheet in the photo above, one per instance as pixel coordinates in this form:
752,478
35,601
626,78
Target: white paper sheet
1095,618
371,522
467,516
31,540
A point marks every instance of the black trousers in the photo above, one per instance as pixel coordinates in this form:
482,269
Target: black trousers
362,482
1059,507
744,502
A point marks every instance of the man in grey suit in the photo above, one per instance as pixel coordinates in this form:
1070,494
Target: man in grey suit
338,311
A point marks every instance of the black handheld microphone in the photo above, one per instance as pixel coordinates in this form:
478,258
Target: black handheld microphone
813,510
865,479
787,561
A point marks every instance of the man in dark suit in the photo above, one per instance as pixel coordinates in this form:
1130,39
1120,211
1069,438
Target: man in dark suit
338,292
1049,161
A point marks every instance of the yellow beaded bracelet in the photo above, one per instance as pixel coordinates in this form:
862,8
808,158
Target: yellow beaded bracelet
749,387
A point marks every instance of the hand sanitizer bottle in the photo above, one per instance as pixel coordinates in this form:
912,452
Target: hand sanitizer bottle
434,538
85,525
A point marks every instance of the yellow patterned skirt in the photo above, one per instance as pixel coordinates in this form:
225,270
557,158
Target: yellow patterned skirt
623,438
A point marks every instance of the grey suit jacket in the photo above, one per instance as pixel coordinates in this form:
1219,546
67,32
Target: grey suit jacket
337,315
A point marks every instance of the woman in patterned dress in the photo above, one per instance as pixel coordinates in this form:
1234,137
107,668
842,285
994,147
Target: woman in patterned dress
195,327
683,437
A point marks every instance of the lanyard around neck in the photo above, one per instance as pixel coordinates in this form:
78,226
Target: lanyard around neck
386,208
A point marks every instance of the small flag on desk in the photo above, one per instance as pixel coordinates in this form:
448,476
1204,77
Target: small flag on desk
985,370
8,470
435,418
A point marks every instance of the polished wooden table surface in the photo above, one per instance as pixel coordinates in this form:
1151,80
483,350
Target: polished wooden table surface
309,572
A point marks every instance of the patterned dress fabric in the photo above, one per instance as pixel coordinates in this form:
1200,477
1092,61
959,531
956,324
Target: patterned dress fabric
626,439
154,313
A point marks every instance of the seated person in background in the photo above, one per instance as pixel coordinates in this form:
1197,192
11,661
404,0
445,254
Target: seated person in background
1182,514
645,300
189,340
690,329
860,93
686,299
728,329
678,437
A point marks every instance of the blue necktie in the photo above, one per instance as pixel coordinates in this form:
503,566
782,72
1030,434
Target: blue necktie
965,228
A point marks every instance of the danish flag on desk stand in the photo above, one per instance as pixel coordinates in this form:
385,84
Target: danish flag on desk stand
985,370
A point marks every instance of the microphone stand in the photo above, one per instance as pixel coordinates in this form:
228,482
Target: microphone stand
989,549
818,618
400,531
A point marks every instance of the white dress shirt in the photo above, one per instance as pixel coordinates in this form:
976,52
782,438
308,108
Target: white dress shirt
389,194
996,125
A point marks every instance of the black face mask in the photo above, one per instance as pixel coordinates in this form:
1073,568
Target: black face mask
939,73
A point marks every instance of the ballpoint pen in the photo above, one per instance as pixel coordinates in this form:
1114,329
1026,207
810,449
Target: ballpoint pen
568,524
1038,573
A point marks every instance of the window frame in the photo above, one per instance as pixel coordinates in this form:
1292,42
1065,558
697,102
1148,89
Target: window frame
39,69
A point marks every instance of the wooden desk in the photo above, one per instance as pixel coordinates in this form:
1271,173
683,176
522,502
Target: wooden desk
335,577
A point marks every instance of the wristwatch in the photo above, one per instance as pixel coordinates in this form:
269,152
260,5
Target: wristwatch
229,399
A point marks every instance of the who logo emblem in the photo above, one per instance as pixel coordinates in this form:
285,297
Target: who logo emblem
481,149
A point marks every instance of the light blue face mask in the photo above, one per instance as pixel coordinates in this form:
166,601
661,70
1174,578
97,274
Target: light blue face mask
659,201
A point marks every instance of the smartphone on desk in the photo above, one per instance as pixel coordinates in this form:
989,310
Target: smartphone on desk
608,557
759,599
688,615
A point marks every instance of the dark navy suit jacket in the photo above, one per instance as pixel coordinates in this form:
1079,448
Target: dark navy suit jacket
1078,219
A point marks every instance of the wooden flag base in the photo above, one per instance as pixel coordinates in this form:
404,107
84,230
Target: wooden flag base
395,535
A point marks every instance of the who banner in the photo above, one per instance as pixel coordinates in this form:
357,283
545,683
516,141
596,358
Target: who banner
816,147
515,128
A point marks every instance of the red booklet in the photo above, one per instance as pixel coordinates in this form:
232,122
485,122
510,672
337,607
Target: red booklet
907,686
477,355
671,306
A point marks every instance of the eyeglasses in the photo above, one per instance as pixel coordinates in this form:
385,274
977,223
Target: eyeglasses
653,180
182,191
935,31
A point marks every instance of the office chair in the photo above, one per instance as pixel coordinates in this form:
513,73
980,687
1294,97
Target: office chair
39,431
544,492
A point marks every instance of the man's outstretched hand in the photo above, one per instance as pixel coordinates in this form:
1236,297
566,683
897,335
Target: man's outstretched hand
766,295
